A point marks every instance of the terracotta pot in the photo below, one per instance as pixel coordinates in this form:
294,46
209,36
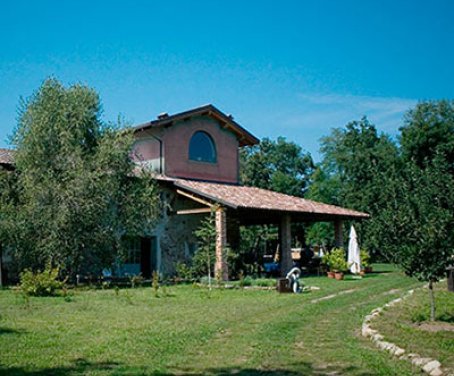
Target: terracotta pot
330,274
339,276
362,273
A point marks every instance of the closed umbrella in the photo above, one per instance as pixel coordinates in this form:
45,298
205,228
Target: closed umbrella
354,261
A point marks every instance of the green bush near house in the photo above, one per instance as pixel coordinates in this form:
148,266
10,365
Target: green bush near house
45,283
335,260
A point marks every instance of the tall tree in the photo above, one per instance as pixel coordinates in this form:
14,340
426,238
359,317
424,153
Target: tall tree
77,192
355,167
428,131
420,207
279,165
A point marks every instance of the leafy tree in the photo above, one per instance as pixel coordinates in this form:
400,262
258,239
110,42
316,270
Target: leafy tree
428,131
279,165
420,221
356,161
420,206
77,195
205,256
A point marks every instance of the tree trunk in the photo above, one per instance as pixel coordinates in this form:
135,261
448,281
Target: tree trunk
432,301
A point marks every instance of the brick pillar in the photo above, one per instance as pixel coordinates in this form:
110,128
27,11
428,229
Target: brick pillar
221,243
285,242
338,236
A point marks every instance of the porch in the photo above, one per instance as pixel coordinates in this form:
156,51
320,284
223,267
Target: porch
235,206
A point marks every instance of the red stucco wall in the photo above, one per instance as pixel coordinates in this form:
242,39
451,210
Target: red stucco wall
176,151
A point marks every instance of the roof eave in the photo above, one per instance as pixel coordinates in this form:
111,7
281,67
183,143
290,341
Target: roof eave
245,138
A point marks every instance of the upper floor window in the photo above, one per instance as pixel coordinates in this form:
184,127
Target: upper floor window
202,148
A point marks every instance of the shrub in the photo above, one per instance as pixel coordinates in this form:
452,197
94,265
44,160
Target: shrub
45,283
155,283
365,258
247,281
336,260
184,271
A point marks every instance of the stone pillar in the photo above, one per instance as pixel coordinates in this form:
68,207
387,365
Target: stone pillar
338,236
285,243
220,267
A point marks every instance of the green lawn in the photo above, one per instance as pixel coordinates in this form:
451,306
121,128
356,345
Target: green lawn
402,325
249,332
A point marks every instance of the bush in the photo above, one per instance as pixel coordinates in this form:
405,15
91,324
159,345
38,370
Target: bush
184,271
247,281
335,260
365,258
43,283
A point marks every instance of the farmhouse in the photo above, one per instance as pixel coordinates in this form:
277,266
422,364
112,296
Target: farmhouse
194,156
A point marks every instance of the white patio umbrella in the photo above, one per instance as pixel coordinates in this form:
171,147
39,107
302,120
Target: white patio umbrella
353,260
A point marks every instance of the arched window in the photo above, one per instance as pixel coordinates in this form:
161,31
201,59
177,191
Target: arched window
202,148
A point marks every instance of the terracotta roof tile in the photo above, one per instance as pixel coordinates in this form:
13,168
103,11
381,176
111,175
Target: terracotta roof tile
6,156
256,198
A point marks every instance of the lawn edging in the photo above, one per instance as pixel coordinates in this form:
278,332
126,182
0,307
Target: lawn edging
430,366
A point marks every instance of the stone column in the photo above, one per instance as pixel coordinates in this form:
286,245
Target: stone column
220,267
285,242
338,236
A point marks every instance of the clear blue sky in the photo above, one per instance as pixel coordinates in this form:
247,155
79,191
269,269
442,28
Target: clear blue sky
290,68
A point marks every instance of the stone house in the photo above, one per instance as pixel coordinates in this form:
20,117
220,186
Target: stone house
195,156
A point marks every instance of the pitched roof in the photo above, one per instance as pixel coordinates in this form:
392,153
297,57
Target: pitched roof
6,156
245,138
240,197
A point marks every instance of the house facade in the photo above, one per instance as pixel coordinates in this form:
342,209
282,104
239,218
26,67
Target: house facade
195,158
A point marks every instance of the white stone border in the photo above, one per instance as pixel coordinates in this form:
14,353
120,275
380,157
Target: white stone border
428,365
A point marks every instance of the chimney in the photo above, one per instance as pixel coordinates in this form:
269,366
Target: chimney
163,115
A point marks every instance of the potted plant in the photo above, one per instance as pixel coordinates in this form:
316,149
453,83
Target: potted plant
338,264
365,261
326,260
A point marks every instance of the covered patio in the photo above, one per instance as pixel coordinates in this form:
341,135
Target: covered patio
235,206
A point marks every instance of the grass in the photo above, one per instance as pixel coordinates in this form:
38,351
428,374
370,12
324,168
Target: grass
402,325
191,331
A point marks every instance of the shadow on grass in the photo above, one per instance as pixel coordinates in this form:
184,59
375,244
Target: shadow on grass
79,367
297,369
10,331
82,367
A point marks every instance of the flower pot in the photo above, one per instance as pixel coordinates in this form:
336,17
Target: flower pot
339,276
330,274
362,273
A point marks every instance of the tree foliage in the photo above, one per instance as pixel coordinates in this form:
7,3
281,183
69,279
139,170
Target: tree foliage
356,163
76,192
279,165
408,190
428,132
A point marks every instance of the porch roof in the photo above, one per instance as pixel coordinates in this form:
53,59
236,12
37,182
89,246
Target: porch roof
6,157
251,198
